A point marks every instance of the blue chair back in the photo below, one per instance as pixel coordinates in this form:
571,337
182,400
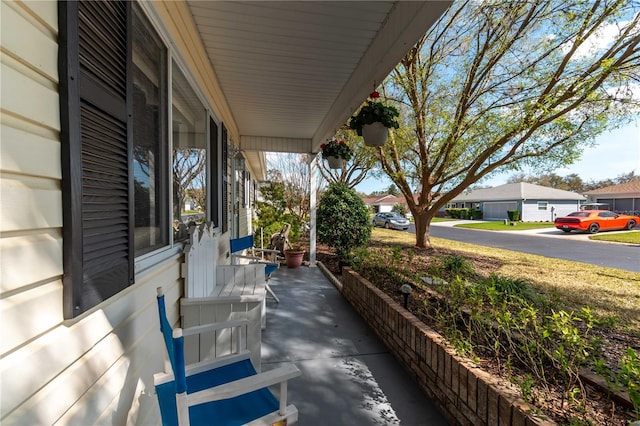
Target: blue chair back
239,244
165,329
232,411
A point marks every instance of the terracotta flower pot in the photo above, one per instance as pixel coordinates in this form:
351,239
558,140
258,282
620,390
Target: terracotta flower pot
293,258
375,134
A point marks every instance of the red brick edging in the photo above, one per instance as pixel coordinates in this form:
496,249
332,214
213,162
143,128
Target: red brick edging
466,394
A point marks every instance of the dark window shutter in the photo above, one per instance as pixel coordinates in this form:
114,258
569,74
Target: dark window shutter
225,180
97,185
214,172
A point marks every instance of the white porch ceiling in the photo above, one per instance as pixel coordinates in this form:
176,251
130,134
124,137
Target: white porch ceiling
294,71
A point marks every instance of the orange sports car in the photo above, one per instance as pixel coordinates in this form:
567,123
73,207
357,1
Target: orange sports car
595,220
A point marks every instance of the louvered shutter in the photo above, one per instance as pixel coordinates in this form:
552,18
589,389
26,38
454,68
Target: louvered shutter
214,172
98,215
225,180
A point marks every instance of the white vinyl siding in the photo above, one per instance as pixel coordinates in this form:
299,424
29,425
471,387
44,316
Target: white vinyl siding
555,208
29,177
93,370
98,367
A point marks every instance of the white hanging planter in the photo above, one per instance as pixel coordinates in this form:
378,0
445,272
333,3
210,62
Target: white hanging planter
335,162
375,134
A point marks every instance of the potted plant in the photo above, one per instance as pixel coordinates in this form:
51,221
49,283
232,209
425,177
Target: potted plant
373,121
336,152
293,256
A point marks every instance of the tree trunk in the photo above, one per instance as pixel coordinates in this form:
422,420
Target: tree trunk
423,221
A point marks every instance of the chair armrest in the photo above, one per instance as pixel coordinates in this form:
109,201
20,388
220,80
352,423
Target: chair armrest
207,328
267,250
246,385
246,256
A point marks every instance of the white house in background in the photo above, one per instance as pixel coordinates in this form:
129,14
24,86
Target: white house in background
623,198
110,111
383,203
534,202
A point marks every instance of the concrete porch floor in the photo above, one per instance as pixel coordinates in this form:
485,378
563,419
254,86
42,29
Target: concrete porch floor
348,375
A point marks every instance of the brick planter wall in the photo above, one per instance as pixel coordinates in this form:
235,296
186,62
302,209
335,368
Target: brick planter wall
466,394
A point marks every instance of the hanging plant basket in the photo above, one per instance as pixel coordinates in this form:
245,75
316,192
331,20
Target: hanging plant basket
375,134
336,152
335,162
374,120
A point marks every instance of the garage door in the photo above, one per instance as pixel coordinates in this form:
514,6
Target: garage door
498,209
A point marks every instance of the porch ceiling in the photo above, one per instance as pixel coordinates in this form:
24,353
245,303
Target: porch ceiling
293,72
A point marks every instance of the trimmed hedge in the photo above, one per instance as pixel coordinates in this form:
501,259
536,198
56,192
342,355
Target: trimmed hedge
514,215
464,213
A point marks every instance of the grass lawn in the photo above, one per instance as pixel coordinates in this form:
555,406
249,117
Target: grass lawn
632,237
612,294
443,219
500,226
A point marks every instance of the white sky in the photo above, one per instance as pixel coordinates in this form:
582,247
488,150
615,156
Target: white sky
616,152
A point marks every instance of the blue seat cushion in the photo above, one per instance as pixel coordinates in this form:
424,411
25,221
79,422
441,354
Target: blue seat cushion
229,412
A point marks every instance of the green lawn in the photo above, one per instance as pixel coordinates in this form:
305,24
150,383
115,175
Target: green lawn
632,237
500,226
443,219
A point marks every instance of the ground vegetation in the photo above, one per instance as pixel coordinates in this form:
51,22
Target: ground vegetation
545,325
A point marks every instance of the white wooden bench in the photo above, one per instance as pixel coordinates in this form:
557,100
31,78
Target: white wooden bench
219,293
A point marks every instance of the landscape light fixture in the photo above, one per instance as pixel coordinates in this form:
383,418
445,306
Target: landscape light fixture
405,290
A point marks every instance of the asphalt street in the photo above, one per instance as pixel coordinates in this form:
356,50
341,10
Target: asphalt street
546,242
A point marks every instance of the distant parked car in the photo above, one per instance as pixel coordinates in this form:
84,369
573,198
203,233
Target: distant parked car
391,220
595,220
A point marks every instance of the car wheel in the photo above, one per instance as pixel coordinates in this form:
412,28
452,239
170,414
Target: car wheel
386,225
373,222
631,224
594,227
566,230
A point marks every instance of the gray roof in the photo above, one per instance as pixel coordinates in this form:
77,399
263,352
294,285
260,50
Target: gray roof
517,191
623,188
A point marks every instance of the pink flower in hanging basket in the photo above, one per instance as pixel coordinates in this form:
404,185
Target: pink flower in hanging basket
374,94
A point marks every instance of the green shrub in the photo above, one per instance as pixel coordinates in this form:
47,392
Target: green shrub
475,214
458,213
343,220
509,287
514,215
275,227
400,208
457,265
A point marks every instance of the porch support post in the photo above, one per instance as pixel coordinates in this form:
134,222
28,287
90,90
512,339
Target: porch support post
313,176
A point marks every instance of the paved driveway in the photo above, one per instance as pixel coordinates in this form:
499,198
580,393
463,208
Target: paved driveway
546,242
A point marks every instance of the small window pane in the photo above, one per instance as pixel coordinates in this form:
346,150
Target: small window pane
189,156
542,205
149,137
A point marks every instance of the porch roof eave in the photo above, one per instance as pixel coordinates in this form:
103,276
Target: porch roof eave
293,72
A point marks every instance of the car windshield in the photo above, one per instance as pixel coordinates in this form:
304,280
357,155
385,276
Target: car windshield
579,214
394,215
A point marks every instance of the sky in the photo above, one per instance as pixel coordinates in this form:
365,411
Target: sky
615,152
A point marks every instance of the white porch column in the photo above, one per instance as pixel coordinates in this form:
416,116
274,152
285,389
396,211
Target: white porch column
313,173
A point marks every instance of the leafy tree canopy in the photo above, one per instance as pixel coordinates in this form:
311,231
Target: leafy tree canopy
572,182
499,85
